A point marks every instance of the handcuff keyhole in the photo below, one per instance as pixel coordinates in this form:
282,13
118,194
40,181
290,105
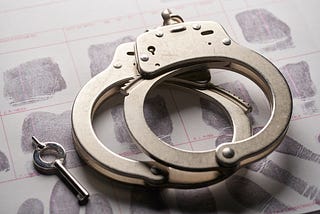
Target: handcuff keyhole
151,49
206,32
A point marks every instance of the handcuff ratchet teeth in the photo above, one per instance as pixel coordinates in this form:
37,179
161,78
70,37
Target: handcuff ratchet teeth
179,54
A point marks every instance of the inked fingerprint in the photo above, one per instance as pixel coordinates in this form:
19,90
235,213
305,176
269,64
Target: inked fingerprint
73,160
157,118
121,130
291,147
62,200
147,201
101,55
33,81
310,107
299,79
98,204
50,127
275,172
313,193
253,196
224,136
213,115
31,205
46,127
262,27
196,201
4,163
272,170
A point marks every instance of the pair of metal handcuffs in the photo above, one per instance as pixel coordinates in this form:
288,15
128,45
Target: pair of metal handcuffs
180,54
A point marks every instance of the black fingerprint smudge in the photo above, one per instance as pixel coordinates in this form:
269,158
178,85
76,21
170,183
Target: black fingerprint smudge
299,79
262,27
213,116
196,201
31,205
157,118
62,200
50,127
251,195
98,204
33,81
4,163
101,55
147,201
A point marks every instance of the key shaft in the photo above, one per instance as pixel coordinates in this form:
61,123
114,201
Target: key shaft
56,167
81,193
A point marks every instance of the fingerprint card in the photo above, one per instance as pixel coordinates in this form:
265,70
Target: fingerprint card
50,49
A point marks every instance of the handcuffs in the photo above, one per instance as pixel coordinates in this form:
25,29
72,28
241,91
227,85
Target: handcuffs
179,54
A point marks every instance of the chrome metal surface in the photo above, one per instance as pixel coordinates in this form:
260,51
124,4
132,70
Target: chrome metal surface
168,55
196,27
228,152
159,34
178,52
56,167
130,171
169,18
92,150
226,41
